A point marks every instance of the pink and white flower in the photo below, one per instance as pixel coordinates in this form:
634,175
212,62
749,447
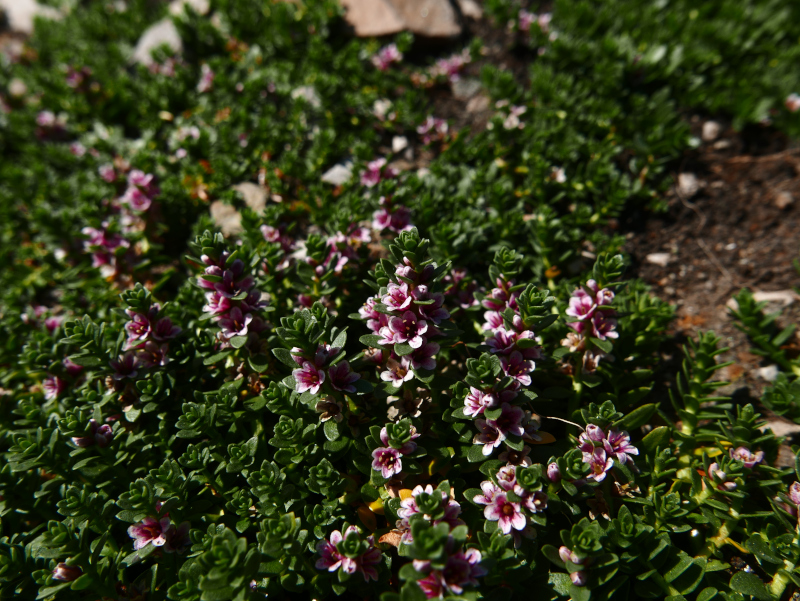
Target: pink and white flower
508,515
308,378
149,531
388,461
747,457
387,55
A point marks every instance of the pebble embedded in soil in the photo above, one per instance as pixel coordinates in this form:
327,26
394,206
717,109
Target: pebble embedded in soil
783,200
661,259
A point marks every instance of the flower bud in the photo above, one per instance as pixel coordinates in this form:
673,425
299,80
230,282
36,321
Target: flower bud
553,473
564,553
66,573
578,578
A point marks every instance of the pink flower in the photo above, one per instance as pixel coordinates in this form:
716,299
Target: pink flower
73,369
124,366
794,493
235,323
308,378
508,515
526,19
387,461
408,447
432,129
720,477
490,436
177,538
618,445
53,386
165,330
136,199
507,477
398,372
216,303
66,573
490,491
425,356
407,329
332,559
553,472
397,297
137,329
206,79
107,173
599,463
99,435
792,102
747,457
152,354
477,401
372,175
451,67
342,377
149,531
517,367
386,56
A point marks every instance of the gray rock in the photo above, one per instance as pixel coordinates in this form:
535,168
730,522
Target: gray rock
161,32
466,88
255,197
226,218
21,14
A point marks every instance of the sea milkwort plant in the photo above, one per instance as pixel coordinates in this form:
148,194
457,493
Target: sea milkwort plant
274,324
205,446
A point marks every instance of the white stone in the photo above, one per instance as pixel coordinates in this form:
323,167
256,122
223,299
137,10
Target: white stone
429,18
372,18
17,88
711,131
688,184
465,88
785,297
176,7
781,427
338,174
309,94
226,218
784,199
769,373
471,9
661,259
255,197
399,143
159,33
21,14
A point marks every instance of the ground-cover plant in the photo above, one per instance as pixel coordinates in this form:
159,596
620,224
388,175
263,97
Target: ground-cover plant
362,390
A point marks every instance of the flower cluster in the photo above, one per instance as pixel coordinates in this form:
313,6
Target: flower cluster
510,340
601,449
462,569
590,307
393,217
452,66
312,372
432,129
232,300
376,171
50,126
507,502
421,501
387,55
160,533
147,341
97,435
388,459
349,554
